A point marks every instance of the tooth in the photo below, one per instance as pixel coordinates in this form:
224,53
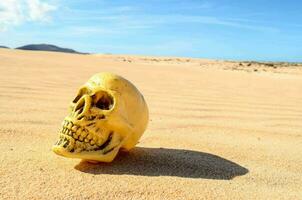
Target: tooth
81,138
86,140
84,133
78,144
75,136
70,147
71,142
69,126
74,128
60,141
78,150
89,137
92,142
99,142
66,144
89,147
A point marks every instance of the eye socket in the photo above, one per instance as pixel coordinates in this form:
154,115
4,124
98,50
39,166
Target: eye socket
103,100
81,92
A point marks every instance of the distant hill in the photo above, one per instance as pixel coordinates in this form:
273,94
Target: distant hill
4,47
47,47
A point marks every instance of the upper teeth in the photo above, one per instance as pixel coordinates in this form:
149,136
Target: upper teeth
75,138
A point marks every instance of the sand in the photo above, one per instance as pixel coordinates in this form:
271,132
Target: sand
217,130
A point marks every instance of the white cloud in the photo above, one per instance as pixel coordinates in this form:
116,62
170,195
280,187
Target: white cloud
15,12
39,11
10,13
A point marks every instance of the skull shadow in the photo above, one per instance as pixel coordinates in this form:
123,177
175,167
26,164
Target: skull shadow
144,161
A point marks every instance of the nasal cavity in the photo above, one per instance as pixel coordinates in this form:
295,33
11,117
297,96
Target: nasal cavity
79,108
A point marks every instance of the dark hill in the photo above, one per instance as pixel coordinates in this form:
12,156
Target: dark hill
47,47
4,47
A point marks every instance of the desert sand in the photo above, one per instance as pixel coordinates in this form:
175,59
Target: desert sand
217,129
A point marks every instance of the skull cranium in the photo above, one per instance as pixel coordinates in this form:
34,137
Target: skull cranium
108,114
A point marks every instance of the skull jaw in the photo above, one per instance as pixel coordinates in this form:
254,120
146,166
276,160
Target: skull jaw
98,156
72,143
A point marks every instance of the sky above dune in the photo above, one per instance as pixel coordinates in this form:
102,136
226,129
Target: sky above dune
221,29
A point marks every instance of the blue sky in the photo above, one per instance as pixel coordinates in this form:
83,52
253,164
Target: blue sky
220,29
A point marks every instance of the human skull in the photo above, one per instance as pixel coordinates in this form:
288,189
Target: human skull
108,114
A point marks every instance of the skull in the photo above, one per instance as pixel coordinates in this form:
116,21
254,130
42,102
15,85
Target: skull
108,114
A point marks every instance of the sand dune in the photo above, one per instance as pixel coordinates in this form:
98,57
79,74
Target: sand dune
218,129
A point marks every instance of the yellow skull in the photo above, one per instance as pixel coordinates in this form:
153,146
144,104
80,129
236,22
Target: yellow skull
108,114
